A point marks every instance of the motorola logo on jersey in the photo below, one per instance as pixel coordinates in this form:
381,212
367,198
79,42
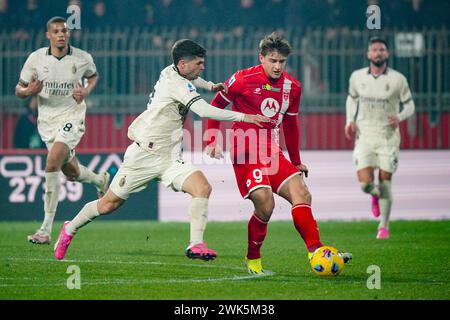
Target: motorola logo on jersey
270,107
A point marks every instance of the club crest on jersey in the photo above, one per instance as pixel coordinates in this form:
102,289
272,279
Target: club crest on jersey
387,87
268,87
74,69
286,95
270,107
191,88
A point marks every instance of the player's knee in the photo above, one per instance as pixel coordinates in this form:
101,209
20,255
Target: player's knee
366,187
304,195
106,207
71,176
52,166
265,209
203,190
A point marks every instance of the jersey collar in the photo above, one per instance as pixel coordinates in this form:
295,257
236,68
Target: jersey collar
385,72
69,52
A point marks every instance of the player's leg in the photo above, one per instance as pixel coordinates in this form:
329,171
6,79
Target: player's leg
137,169
196,185
58,154
105,205
366,159
75,171
385,204
297,193
367,182
388,155
264,204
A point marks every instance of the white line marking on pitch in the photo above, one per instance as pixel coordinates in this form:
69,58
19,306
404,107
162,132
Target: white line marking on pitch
129,282
129,262
135,281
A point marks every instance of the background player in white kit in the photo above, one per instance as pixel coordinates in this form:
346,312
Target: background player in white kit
55,75
373,115
156,151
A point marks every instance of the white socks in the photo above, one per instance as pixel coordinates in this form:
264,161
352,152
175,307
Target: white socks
385,203
198,212
86,215
87,176
52,186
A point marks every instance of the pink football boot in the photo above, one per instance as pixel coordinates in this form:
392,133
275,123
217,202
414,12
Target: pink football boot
200,251
375,207
62,244
383,233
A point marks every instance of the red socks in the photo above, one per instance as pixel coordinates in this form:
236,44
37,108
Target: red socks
306,225
257,230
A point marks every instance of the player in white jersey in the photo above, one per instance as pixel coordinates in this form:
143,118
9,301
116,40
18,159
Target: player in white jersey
55,74
156,150
373,117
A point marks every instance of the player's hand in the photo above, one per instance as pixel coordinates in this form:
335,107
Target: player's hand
214,150
219,87
394,122
79,93
303,168
34,86
350,130
256,119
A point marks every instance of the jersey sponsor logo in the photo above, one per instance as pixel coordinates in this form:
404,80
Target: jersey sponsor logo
56,88
270,107
231,81
268,87
191,88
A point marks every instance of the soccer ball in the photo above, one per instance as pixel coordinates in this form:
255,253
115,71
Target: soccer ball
326,261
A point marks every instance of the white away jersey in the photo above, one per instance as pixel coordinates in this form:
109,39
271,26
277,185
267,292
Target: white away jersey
159,128
59,76
378,98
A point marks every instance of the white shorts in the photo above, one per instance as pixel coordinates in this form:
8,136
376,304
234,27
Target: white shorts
139,167
377,153
69,132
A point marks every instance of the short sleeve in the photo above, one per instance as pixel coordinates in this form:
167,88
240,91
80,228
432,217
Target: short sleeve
183,91
28,69
91,68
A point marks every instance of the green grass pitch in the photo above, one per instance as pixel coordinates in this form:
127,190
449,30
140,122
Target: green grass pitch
145,260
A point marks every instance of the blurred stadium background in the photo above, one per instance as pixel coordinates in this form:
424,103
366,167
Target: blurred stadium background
130,42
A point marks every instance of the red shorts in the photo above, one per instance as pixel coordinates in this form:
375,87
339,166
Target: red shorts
273,174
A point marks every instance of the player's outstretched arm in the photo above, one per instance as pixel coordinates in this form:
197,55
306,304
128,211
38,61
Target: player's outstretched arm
205,110
209,85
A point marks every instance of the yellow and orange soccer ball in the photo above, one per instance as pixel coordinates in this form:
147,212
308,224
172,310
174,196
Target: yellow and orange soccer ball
326,261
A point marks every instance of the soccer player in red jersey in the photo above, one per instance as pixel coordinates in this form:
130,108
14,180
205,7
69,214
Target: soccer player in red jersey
259,164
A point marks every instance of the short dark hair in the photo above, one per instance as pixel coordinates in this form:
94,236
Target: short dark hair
55,20
273,42
187,49
378,40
